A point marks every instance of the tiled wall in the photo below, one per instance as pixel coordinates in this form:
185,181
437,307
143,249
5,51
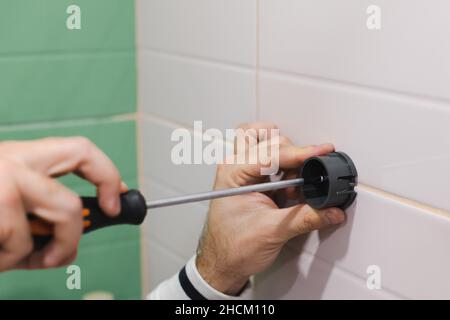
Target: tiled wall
196,61
56,82
315,69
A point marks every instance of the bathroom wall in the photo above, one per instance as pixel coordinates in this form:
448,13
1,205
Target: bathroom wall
315,69
196,61
56,82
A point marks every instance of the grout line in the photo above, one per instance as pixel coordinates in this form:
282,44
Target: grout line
175,125
144,261
165,121
405,201
66,123
257,69
195,58
140,179
437,103
66,54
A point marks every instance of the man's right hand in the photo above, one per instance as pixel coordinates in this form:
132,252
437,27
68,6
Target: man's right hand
27,172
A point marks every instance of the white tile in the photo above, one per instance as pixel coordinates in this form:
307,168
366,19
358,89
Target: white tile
186,90
157,162
160,264
218,29
305,277
177,228
330,39
398,144
409,245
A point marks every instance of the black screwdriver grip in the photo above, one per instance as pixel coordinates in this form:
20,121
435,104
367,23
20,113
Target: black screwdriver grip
133,212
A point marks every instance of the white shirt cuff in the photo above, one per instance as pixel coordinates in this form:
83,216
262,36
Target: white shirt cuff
189,284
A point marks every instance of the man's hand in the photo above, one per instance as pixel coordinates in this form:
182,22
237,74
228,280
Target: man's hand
244,234
27,170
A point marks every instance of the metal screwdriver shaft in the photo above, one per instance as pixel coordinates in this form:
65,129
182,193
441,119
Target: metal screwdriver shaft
262,187
330,181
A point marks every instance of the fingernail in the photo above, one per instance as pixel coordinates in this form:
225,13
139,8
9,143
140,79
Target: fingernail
123,186
334,216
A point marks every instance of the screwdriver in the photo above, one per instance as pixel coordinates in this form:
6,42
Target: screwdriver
328,181
134,207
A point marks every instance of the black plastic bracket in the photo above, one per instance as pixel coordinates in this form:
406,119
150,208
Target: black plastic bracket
330,181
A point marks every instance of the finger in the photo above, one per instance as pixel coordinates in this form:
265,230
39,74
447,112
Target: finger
258,125
15,239
281,154
292,157
303,219
68,260
123,187
29,263
248,135
291,193
52,202
58,156
282,196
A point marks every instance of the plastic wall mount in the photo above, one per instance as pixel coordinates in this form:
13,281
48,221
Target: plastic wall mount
337,188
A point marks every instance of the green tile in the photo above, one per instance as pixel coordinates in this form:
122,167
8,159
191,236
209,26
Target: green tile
30,26
45,88
105,255
114,268
49,73
116,138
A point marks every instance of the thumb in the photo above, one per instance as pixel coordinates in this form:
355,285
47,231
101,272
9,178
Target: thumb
301,219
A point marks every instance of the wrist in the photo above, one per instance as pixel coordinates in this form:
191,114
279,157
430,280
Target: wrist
229,283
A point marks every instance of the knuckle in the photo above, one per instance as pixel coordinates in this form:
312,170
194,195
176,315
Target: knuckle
9,194
6,231
52,187
9,197
74,205
83,143
27,248
243,125
221,167
115,175
72,210
283,140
